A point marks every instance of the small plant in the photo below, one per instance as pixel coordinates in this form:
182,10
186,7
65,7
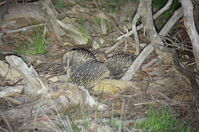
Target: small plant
83,28
39,42
161,121
59,4
35,45
117,123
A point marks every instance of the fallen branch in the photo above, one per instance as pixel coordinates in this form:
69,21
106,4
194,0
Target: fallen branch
8,91
115,45
162,10
137,63
145,11
172,21
23,28
154,37
34,85
67,96
63,98
156,15
191,28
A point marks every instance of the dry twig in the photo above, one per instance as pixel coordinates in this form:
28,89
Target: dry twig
23,29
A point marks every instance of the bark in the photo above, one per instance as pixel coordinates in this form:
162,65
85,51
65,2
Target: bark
191,28
153,36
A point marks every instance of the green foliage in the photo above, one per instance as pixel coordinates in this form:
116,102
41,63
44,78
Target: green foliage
75,128
117,123
86,121
121,1
39,42
83,28
160,21
59,4
159,3
97,21
113,5
162,120
36,45
84,31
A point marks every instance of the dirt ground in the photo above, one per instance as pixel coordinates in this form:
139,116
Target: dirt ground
157,83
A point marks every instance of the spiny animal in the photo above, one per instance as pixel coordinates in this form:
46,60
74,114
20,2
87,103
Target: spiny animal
86,71
89,73
118,64
76,57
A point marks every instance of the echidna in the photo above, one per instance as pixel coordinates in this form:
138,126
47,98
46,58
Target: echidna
76,57
118,64
86,71
89,73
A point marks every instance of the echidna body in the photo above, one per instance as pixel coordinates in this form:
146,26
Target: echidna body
118,64
89,73
76,57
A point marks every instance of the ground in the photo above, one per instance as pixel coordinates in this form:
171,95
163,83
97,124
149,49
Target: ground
158,89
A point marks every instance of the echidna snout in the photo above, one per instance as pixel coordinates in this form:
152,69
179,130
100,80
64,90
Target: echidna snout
76,57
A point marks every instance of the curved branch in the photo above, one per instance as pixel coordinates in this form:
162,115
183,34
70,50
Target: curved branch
191,28
156,15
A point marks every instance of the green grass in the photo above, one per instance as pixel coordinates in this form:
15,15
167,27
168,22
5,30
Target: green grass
39,42
83,28
117,123
35,45
162,120
161,20
59,4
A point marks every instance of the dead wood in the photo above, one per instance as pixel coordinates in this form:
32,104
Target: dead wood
137,63
65,97
70,94
154,38
144,10
191,28
23,28
34,85
9,91
156,15
172,21
9,75
196,16
115,45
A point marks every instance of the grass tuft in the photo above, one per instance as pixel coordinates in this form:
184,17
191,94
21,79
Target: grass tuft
35,45
59,4
162,120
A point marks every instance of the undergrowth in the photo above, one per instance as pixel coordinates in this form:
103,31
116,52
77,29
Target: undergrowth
162,120
162,19
35,45
58,3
